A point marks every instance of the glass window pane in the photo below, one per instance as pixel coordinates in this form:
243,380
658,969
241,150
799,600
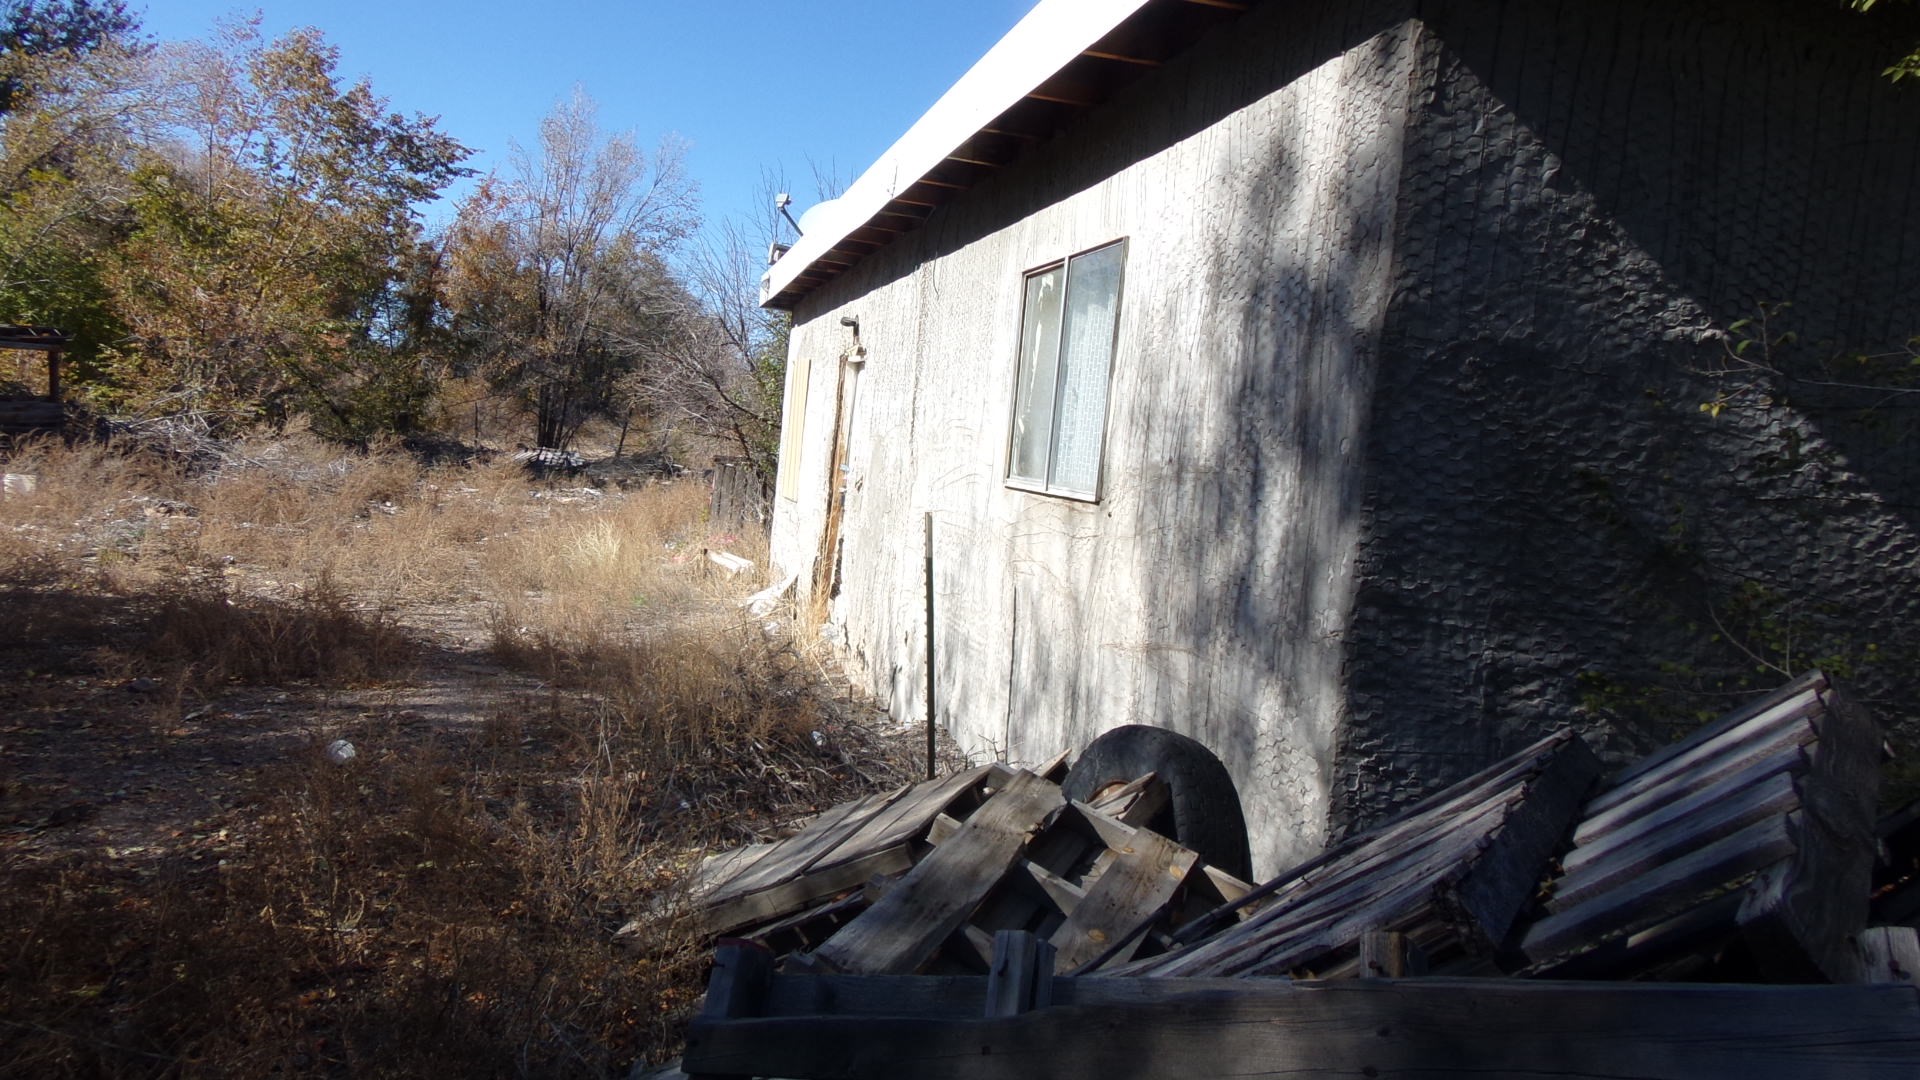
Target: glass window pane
1092,310
1033,394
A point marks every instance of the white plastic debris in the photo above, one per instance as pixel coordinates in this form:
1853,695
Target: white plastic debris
728,561
762,603
340,751
18,484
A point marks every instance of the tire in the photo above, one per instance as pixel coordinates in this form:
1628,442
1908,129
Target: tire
1203,807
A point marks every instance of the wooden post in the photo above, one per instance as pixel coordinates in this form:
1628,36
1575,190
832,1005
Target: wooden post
53,375
930,713
1021,977
742,975
742,971
1388,954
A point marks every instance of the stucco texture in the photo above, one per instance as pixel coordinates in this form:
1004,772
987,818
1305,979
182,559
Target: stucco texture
1406,458
1555,531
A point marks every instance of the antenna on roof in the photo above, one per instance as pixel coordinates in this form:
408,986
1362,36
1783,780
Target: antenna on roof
780,203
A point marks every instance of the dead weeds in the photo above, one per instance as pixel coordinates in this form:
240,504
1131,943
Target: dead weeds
553,714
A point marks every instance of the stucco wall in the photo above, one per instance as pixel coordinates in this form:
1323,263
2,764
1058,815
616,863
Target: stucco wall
1407,461
1208,589
1555,531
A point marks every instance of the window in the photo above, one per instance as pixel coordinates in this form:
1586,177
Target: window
1067,328
793,423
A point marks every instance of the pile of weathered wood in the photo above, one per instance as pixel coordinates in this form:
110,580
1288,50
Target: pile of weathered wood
984,925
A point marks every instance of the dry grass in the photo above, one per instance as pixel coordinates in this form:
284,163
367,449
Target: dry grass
193,887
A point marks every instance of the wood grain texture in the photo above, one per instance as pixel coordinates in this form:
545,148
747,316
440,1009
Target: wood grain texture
1145,872
792,856
1663,890
904,927
1465,865
1416,1028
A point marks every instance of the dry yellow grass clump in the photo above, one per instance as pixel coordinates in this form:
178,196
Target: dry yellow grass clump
553,708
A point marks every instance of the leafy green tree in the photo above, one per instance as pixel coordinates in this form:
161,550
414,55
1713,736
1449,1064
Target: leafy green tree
270,225
68,136
56,28
557,282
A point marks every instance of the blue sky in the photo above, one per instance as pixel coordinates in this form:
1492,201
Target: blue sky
747,83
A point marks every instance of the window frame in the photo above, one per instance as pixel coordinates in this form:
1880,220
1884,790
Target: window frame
793,427
1046,486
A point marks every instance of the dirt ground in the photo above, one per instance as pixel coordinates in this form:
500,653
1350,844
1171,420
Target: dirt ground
311,772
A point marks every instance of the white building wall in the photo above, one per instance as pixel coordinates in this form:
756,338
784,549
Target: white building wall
1208,589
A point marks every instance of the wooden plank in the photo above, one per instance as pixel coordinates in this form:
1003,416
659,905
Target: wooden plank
719,868
1431,816
1317,926
1624,864
743,911
942,829
810,927
1663,891
1714,729
1732,739
1225,885
797,852
1133,889
1888,954
1506,868
1064,894
1054,769
1060,849
907,818
903,929
1699,929
1367,872
1134,802
1800,918
1409,902
1020,978
1733,760
1373,1027
1381,889
1679,812
979,941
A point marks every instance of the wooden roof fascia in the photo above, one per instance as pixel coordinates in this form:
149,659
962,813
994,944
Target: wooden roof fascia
1064,58
1122,58
1052,35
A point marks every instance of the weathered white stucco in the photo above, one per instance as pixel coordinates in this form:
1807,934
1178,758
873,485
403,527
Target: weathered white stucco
1207,590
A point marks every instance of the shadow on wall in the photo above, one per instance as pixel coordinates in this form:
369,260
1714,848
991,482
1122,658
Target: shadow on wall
1254,450
1556,530
1242,442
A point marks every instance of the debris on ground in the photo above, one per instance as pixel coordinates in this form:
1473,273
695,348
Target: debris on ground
1712,898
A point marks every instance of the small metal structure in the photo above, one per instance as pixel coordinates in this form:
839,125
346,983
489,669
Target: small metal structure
22,411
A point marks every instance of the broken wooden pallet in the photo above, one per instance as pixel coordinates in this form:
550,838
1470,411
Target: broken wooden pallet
839,850
922,877
1452,876
1016,1022
1759,826
1086,878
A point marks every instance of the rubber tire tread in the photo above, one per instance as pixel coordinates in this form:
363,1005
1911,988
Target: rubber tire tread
1203,806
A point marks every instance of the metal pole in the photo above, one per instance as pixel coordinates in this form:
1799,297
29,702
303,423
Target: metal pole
930,725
